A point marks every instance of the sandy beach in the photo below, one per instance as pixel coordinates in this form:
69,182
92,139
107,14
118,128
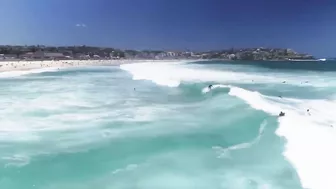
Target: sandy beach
29,65
6,66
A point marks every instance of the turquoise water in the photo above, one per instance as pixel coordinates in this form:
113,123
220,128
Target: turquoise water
156,126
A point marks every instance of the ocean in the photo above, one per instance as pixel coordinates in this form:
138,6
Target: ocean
158,126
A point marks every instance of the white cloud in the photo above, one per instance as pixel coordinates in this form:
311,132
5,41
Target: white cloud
81,25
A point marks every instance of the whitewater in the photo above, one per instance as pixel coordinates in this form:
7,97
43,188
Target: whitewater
158,125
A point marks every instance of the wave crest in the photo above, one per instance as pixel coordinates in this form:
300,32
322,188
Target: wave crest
310,138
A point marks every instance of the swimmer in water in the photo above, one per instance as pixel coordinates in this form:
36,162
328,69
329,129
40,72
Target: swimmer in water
281,114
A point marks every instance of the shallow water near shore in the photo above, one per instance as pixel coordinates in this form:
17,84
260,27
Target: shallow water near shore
156,125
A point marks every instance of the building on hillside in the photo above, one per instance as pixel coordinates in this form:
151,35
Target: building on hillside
96,56
68,53
41,55
68,57
86,57
10,56
53,56
81,56
38,55
28,55
170,54
115,55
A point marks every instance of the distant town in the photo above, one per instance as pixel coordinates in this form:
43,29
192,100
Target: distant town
40,52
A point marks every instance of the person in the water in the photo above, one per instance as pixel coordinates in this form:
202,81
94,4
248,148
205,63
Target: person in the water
308,112
281,114
210,86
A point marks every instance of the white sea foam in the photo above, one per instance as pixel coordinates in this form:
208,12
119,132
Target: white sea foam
173,73
169,74
16,160
207,89
310,139
129,167
150,72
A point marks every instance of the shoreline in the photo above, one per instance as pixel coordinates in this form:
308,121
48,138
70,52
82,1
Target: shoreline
24,65
8,66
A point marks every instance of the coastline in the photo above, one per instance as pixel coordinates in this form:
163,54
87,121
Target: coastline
9,66
24,65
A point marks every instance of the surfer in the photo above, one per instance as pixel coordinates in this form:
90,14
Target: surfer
280,96
281,114
210,86
308,112
284,82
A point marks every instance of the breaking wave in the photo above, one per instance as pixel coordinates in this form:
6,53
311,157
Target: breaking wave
310,137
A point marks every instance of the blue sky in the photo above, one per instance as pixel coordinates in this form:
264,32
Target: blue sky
304,25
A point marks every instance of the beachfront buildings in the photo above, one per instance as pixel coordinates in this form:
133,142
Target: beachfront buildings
41,55
41,52
8,56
